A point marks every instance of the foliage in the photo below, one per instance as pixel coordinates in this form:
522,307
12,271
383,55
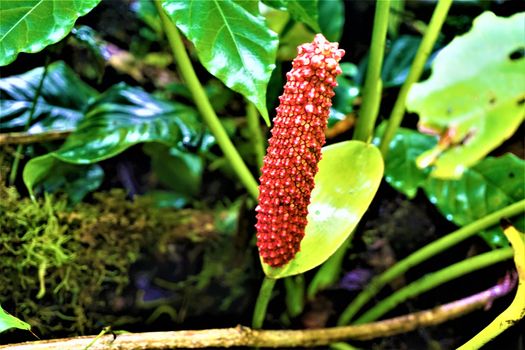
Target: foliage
8,321
474,107
338,202
119,118
233,43
28,27
490,185
61,104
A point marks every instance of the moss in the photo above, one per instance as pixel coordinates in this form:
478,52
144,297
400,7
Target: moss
62,269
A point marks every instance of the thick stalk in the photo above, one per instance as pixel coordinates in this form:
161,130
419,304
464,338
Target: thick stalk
433,280
203,104
20,147
265,294
246,337
254,126
373,84
425,48
425,253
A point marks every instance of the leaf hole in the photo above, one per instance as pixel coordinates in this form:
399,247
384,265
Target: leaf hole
517,54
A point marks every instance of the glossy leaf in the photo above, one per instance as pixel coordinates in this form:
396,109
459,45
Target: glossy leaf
31,25
177,170
305,11
8,321
61,105
401,170
74,180
490,185
399,58
332,19
120,118
349,175
475,95
232,41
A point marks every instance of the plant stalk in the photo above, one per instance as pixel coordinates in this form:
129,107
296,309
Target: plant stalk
265,294
425,253
424,50
246,337
433,280
373,84
20,147
203,104
252,118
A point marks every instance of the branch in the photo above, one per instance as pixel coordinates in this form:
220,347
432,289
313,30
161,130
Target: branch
22,138
246,337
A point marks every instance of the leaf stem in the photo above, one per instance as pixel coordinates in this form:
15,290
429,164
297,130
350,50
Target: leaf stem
265,294
252,118
373,83
516,309
424,50
203,104
433,280
20,147
425,253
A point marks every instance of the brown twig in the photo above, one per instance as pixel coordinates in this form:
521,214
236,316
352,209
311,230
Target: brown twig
22,138
243,336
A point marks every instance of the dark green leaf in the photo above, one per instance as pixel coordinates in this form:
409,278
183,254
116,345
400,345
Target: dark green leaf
305,11
8,321
347,89
398,60
62,102
120,118
232,41
177,170
474,97
31,25
332,18
490,185
401,170
74,180
349,175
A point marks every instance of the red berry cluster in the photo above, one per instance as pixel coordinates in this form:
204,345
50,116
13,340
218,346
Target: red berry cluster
294,150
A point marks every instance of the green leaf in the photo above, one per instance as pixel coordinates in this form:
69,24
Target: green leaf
490,185
475,95
31,25
349,175
120,118
177,170
62,102
74,180
332,19
8,321
304,11
401,170
232,41
398,60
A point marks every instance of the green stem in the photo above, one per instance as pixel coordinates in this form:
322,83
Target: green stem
20,147
424,50
516,310
255,130
265,294
433,280
425,253
373,84
203,104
